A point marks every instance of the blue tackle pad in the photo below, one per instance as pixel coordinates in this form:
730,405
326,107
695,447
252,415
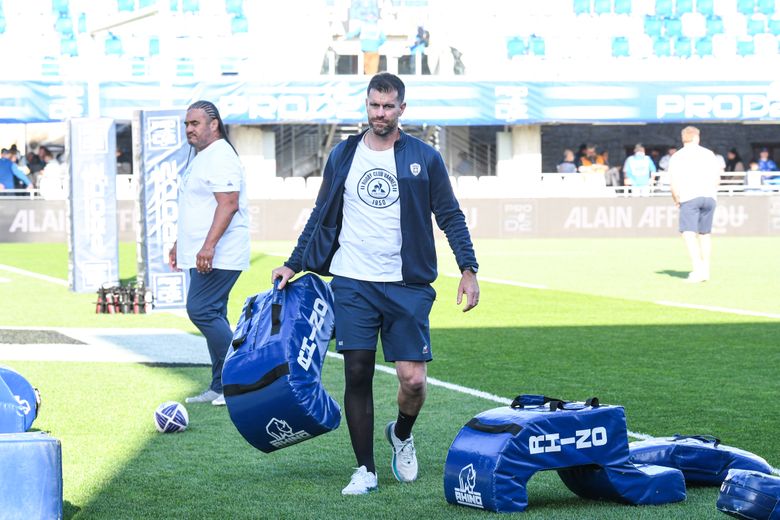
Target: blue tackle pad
495,454
272,372
750,494
19,402
702,458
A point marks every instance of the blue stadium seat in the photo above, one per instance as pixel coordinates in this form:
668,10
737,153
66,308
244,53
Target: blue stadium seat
64,25
239,24
746,47
682,47
620,48
82,23
766,7
664,7
68,47
756,26
683,6
139,67
623,7
662,48
673,27
582,7
154,46
60,6
515,46
190,6
536,44
602,6
774,26
705,7
653,26
746,7
174,5
704,46
50,66
113,45
2,24
234,6
146,3
715,25
125,5
185,68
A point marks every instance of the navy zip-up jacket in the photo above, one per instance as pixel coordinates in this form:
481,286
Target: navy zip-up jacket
424,188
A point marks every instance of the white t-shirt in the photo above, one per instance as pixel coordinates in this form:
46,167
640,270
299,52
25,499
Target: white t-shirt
216,169
694,172
370,238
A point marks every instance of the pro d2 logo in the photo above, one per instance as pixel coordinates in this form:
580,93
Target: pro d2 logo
282,434
378,188
464,493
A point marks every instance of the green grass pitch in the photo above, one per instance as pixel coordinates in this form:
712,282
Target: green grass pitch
595,329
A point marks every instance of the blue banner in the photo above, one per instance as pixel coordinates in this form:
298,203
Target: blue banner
430,100
161,153
93,231
40,101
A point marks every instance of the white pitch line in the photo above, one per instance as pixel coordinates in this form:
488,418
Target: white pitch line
38,276
488,396
712,308
470,391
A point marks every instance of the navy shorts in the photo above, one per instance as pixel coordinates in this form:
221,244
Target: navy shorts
696,215
397,311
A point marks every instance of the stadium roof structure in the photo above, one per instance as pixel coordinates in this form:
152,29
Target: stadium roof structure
455,102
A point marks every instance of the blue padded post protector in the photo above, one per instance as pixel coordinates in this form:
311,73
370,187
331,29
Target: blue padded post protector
30,476
750,494
492,458
702,459
18,402
272,372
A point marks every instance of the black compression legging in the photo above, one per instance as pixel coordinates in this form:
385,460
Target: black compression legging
359,404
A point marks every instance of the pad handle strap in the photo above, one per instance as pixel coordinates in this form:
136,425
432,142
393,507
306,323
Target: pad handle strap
704,438
523,400
476,424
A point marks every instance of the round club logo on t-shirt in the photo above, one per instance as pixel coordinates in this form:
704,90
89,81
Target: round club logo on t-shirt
378,188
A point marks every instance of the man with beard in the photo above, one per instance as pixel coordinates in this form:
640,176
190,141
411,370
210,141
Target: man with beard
371,229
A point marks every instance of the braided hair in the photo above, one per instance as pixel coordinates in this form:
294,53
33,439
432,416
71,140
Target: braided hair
211,110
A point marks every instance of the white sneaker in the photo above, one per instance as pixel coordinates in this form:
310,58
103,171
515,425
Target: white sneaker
219,401
697,277
206,397
404,461
362,482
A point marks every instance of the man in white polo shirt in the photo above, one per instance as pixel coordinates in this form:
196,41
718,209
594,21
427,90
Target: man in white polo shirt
213,234
695,175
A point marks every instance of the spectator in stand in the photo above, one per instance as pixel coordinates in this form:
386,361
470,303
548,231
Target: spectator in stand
735,166
765,164
371,39
421,42
10,171
465,165
567,165
734,161
592,162
580,153
639,171
663,163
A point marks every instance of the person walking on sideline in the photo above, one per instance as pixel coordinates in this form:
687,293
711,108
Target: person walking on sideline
371,229
213,234
695,176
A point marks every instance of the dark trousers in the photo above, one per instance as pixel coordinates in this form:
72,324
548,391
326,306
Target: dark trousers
207,302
